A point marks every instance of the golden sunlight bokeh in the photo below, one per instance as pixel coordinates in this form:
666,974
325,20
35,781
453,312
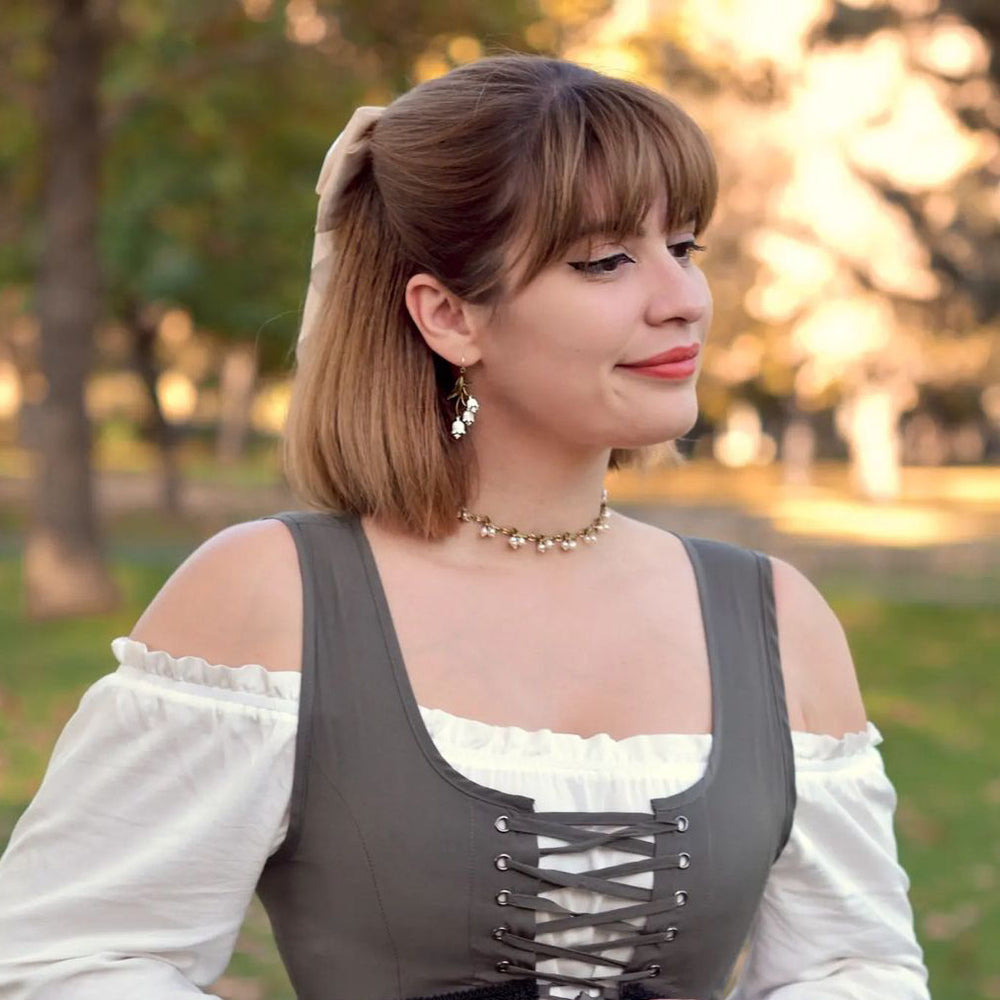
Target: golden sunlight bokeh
842,163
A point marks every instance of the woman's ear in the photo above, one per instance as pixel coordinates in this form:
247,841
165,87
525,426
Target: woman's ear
443,319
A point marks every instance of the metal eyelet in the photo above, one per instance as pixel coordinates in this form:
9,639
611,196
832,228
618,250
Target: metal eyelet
682,824
498,932
653,970
502,823
503,965
502,861
680,897
503,897
683,860
671,933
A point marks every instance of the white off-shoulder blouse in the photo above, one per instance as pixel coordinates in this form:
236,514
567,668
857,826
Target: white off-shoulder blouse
130,872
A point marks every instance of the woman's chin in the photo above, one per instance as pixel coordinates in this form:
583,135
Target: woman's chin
656,434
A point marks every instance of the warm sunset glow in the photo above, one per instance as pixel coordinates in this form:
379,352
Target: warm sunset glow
894,525
195,358
177,395
541,35
953,48
742,441
464,48
750,30
921,146
11,394
257,10
607,44
738,361
806,171
430,66
845,328
175,327
303,22
120,393
270,407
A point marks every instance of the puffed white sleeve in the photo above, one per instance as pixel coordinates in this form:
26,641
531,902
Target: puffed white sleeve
835,921
131,870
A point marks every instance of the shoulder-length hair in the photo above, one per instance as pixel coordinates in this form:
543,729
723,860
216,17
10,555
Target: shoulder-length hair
508,159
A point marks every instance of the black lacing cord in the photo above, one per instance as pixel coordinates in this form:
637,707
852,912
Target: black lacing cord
596,880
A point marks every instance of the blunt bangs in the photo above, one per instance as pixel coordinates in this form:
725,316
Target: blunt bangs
601,155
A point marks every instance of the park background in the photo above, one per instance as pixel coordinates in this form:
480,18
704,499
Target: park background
157,172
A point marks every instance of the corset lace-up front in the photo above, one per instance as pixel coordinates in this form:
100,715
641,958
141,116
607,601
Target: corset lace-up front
640,902
397,878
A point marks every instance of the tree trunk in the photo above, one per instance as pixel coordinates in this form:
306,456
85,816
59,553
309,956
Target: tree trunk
164,433
870,424
65,572
798,449
236,388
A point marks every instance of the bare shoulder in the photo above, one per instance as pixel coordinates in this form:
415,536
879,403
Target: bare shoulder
820,678
821,684
236,599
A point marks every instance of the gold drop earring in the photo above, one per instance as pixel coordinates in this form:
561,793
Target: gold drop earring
466,404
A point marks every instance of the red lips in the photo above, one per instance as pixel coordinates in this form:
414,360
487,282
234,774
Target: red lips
684,353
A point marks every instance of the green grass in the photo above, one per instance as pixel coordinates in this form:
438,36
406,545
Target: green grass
927,672
929,677
45,669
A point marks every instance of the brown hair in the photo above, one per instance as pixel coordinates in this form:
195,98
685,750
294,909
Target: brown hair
506,160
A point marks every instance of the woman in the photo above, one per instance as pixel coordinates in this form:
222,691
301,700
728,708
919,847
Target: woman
452,716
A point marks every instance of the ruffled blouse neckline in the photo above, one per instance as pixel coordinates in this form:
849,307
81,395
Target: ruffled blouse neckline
599,750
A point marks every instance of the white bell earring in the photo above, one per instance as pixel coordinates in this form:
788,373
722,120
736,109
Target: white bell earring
466,404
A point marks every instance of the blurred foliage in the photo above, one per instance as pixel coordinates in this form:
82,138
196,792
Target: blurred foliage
855,256
855,253
924,670
216,117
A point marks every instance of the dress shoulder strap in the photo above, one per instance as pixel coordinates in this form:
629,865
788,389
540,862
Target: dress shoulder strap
736,586
331,584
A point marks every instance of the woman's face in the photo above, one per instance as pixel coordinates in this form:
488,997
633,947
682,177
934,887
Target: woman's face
557,356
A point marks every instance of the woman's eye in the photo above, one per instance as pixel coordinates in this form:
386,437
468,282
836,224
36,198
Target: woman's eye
683,250
609,265
606,265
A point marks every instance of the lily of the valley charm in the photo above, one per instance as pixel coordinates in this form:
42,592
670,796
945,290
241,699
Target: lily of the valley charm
516,539
466,405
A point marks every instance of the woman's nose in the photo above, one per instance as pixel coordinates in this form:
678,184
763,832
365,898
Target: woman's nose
678,292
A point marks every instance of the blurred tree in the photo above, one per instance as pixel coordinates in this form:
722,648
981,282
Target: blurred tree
859,221
957,49
221,114
213,119
64,565
855,256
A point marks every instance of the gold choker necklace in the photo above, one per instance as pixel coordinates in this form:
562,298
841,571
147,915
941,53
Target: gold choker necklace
566,541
